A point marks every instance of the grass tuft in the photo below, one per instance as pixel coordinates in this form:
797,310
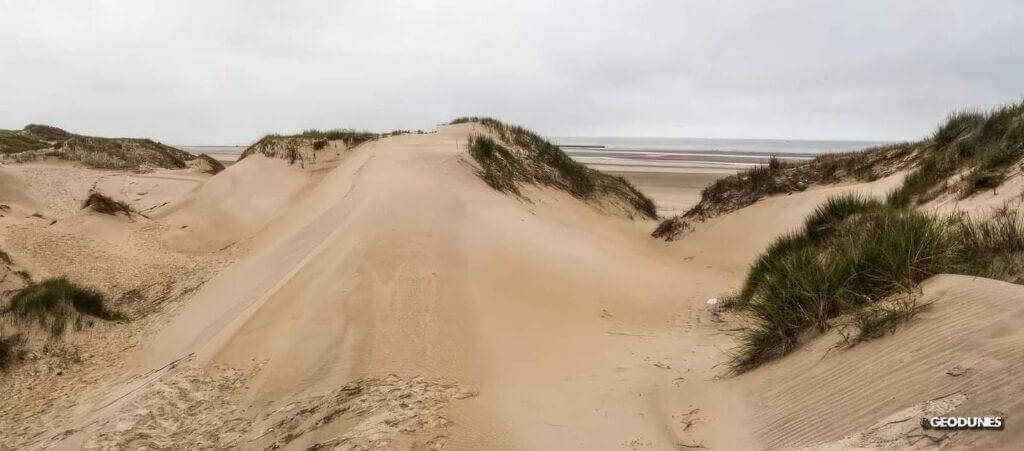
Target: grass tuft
10,347
985,146
825,218
671,228
293,147
855,252
101,203
215,166
498,167
517,155
957,125
55,303
39,141
880,319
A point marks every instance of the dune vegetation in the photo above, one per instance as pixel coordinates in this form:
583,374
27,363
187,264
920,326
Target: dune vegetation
514,155
51,306
41,141
857,261
969,153
33,312
101,203
290,147
55,303
207,164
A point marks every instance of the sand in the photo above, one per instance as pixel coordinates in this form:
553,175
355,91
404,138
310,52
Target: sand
674,190
387,297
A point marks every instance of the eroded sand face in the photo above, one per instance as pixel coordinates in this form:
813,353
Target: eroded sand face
387,297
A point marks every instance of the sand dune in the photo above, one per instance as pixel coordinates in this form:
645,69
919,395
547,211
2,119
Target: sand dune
387,297
400,267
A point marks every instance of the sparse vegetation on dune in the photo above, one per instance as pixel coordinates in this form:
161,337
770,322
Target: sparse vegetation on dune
857,261
10,345
970,152
101,203
15,141
779,177
516,155
49,307
853,255
208,164
290,147
981,148
53,304
41,141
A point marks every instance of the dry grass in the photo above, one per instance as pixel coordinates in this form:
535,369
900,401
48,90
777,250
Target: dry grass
875,321
290,147
215,166
778,177
101,203
10,347
983,146
671,228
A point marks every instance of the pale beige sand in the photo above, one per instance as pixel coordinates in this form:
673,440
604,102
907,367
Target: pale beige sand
389,298
674,190
965,350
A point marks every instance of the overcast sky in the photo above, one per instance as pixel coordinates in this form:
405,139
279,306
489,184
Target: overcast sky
218,72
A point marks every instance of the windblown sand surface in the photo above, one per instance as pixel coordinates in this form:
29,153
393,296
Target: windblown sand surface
387,297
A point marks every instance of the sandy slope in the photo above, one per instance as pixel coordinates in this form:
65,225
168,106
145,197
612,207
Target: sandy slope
958,358
965,350
387,297
45,232
542,324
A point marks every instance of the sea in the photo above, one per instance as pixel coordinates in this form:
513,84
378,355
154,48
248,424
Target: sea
623,152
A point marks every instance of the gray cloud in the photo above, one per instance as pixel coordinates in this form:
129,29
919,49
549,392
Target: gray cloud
227,72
